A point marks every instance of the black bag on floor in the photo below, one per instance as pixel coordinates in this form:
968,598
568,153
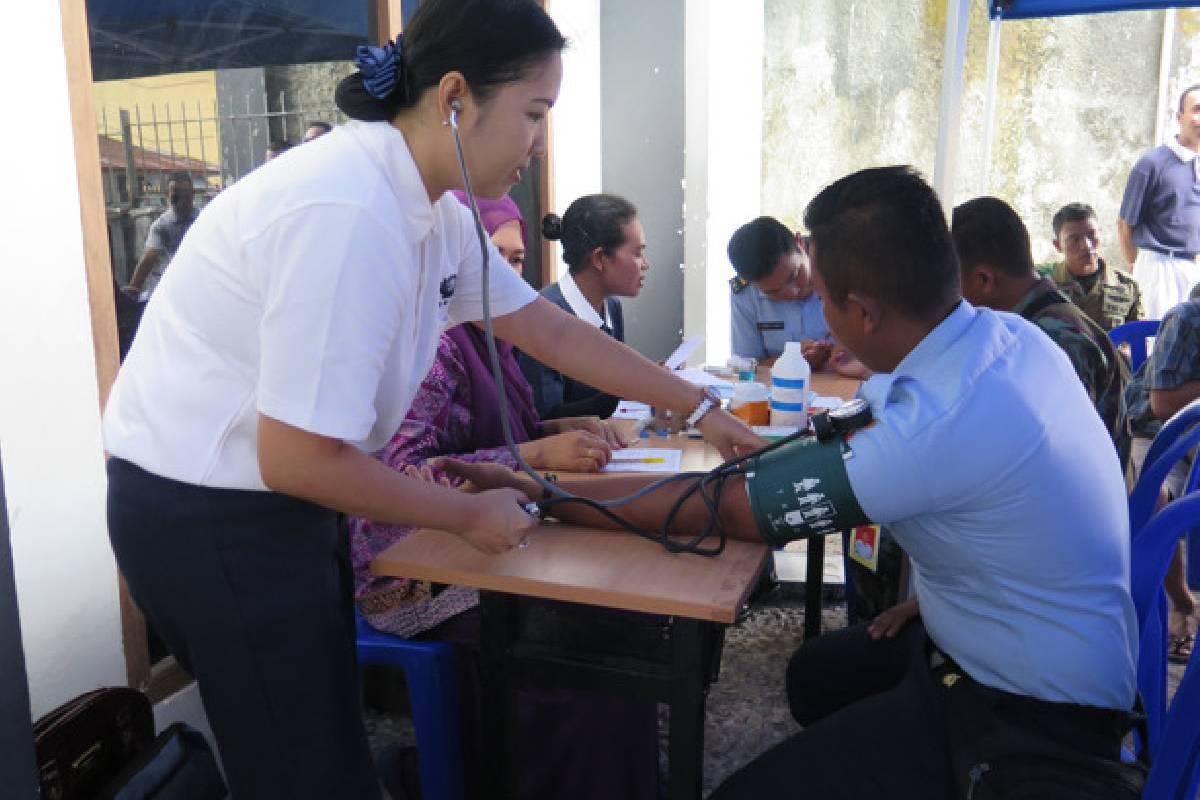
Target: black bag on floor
84,743
178,766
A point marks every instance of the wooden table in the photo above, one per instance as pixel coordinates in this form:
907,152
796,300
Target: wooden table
699,456
692,597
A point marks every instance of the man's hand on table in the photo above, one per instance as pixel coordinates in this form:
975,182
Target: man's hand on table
728,434
844,363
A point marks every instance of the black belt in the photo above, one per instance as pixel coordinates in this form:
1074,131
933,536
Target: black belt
1162,251
1100,721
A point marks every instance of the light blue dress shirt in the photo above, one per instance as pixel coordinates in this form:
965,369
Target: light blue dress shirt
760,327
997,477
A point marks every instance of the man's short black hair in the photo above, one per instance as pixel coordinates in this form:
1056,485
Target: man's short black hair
756,247
882,232
1183,96
1071,212
988,231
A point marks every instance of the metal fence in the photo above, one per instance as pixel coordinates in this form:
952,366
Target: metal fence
142,147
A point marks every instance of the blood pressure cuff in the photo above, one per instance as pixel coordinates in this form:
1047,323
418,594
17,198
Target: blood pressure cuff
802,489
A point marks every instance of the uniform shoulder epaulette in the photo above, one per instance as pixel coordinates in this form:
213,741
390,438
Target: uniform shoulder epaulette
738,284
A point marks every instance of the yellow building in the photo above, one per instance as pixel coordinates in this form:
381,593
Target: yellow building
169,114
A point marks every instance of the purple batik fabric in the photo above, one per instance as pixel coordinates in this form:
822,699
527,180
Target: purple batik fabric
439,423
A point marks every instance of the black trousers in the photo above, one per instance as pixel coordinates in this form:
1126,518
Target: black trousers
870,729
252,592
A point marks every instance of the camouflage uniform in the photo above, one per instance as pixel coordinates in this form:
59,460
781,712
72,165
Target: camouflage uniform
1103,371
1115,297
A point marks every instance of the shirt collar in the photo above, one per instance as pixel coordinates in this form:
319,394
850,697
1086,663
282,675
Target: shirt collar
1185,155
1182,153
922,360
580,305
389,149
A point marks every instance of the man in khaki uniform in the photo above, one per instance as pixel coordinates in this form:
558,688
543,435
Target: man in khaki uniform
1110,296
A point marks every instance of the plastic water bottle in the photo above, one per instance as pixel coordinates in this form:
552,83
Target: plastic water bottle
790,378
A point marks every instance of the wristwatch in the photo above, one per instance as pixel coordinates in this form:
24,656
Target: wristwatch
708,402
848,417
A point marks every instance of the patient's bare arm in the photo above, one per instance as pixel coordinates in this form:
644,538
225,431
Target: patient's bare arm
646,512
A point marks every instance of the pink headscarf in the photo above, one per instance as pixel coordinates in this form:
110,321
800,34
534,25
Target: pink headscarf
494,213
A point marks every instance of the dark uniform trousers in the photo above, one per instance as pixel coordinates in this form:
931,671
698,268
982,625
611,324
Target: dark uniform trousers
251,592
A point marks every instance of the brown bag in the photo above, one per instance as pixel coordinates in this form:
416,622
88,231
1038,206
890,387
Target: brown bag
84,743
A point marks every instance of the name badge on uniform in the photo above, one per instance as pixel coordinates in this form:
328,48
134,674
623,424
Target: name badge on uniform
864,546
777,325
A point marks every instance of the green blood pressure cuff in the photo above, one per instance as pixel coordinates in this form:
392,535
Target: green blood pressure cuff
802,489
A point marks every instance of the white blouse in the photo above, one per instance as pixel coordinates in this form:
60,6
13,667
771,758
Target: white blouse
313,291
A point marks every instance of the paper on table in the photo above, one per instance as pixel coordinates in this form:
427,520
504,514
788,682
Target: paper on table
645,459
699,377
631,409
685,349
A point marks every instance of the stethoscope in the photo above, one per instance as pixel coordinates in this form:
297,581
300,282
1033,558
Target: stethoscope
707,484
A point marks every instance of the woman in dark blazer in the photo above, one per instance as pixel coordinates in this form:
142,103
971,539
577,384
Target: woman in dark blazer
605,249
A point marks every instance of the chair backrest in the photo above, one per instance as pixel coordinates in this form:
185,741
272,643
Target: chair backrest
1173,733
1135,335
1176,439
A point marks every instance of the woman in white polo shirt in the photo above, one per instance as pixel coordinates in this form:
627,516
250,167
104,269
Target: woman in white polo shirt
285,344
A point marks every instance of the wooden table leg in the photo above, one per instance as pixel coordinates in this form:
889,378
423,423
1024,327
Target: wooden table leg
814,579
496,634
691,670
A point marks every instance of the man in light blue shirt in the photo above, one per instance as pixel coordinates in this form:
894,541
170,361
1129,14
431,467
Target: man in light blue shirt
1019,539
771,297
987,462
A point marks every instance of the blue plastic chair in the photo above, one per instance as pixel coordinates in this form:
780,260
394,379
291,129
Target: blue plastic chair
1135,335
1145,495
1176,439
1174,733
431,671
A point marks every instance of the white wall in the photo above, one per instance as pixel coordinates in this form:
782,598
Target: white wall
49,407
576,128
723,183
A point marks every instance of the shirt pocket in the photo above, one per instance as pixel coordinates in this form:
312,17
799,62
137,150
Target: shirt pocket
774,335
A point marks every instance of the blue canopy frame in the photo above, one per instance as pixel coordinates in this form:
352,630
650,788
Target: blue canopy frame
1030,9
135,38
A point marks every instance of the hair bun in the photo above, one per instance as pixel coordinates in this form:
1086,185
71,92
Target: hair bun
552,227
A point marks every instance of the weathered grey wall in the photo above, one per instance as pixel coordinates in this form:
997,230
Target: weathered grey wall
855,84
642,80
1074,109
846,85
307,90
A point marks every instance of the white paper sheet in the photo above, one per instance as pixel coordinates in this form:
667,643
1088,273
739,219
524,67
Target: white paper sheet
685,349
631,409
645,459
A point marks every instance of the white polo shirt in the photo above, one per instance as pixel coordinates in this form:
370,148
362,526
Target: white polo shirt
313,291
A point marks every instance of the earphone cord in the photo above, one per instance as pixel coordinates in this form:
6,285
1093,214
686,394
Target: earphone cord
707,484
